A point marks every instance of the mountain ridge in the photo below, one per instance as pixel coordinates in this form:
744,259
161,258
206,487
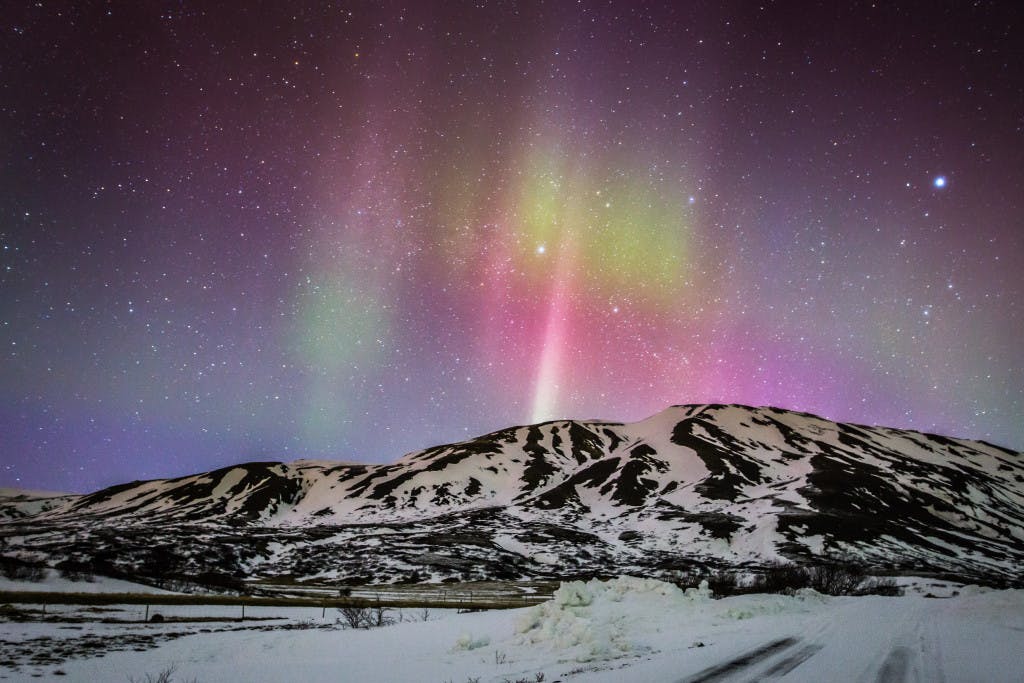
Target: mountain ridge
708,484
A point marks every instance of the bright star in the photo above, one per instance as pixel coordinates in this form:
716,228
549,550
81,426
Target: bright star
541,249
940,181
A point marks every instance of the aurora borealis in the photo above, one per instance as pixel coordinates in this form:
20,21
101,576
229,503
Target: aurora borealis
350,230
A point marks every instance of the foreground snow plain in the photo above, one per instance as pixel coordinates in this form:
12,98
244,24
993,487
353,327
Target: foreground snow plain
622,630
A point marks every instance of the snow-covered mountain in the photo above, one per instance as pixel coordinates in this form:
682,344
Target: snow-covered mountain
695,485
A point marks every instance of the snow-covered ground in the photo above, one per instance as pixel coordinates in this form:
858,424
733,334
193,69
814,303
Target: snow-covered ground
53,582
621,630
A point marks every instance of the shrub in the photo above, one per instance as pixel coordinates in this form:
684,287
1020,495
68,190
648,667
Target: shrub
379,616
831,578
165,676
880,586
413,577
721,582
357,580
687,579
75,571
353,617
19,570
102,565
780,577
836,578
163,566
366,617
9,612
220,581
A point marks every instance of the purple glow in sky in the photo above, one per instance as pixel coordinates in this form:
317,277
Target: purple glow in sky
309,230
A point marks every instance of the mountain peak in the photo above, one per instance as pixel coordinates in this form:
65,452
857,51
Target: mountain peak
708,483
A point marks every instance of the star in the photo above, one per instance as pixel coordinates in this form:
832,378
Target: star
939,182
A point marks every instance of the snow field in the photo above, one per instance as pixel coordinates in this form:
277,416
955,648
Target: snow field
53,582
622,630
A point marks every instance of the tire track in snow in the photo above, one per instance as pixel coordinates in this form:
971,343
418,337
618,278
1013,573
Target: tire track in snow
894,668
784,666
746,660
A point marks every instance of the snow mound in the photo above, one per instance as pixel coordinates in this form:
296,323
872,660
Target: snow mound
756,605
601,619
467,641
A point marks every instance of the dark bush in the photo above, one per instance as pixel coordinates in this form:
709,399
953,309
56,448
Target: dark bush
721,582
831,578
165,676
20,570
358,580
413,577
11,613
689,579
353,617
219,581
880,586
780,577
103,564
837,578
73,570
365,617
161,565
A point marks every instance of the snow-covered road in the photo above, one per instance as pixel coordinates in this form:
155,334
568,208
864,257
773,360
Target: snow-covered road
627,630
883,640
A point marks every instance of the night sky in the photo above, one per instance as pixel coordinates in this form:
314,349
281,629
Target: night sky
270,231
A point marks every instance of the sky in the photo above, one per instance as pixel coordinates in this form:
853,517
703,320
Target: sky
346,231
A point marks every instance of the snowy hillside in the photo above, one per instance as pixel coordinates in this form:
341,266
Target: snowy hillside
713,485
18,503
